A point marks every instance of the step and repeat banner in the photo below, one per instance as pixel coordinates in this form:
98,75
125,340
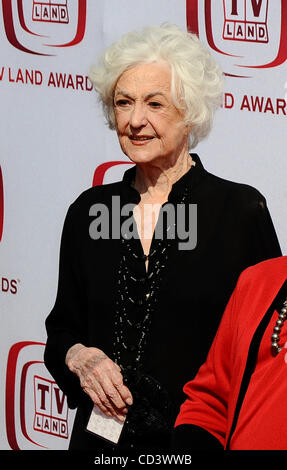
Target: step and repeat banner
55,144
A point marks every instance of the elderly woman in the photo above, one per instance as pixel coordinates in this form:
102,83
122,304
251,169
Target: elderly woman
137,309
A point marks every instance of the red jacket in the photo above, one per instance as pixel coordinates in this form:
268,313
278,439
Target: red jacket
245,410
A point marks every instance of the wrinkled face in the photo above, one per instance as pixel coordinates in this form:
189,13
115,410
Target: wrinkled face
148,124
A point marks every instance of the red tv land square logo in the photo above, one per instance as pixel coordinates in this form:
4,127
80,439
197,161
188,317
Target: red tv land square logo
245,21
50,12
41,26
245,34
37,415
51,409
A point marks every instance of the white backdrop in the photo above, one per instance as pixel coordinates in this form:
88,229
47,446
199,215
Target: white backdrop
53,137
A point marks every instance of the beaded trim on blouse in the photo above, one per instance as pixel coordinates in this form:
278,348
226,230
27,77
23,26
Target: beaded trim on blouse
127,324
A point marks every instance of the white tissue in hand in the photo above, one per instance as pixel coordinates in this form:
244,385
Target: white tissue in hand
104,426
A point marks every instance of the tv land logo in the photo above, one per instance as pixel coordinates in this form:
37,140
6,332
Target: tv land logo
41,26
37,414
245,21
51,12
246,35
36,410
50,408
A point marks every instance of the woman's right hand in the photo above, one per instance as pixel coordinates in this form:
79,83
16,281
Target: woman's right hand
101,379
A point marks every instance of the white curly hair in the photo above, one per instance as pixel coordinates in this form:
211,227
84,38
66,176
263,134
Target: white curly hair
197,80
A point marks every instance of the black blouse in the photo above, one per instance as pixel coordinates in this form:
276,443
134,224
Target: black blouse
167,317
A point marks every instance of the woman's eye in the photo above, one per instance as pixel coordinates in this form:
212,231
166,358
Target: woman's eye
122,102
154,104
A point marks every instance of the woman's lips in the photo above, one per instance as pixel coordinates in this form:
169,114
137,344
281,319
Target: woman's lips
140,139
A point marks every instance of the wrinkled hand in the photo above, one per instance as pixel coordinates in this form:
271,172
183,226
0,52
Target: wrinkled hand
101,379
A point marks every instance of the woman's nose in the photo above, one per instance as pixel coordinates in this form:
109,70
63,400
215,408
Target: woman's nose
138,116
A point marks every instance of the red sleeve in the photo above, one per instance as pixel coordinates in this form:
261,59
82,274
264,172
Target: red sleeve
208,393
